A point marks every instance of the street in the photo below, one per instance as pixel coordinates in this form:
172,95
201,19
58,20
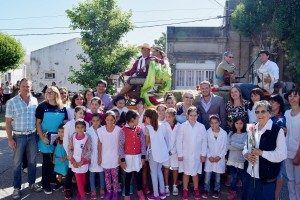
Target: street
6,180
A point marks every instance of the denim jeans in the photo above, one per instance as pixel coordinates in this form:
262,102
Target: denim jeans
246,89
207,181
234,172
25,144
93,180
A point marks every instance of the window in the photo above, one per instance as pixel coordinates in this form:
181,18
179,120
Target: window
188,75
49,75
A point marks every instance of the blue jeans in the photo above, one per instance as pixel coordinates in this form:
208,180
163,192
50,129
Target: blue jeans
261,191
234,172
93,181
25,144
246,89
207,181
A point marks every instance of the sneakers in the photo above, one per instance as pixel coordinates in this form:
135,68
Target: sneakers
16,194
68,194
93,195
146,189
141,195
48,190
108,196
185,195
162,195
115,196
152,197
216,194
35,187
175,190
167,190
232,195
205,194
58,186
196,194
102,194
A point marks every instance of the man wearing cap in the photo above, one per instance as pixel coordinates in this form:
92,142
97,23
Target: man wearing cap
225,65
269,72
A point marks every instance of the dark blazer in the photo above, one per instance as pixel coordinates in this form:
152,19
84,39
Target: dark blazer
217,107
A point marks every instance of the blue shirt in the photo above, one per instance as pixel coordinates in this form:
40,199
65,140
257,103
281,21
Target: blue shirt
23,115
205,105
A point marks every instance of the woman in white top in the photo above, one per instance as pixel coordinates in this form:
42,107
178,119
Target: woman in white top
161,111
156,142
191,147
292,162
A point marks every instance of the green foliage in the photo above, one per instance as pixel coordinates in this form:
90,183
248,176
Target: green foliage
102,26
272,24
11,53
161,41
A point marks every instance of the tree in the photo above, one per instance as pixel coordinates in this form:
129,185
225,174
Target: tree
161,41
274,25
102,26
11,52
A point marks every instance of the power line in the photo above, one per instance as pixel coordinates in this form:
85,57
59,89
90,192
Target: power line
219,3
199,20
61,27
53,16
65,33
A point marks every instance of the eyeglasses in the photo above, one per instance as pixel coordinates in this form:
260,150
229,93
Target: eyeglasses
262,112
50,92
189,97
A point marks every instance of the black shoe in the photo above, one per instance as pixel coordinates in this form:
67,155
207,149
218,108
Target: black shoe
57,187
48,191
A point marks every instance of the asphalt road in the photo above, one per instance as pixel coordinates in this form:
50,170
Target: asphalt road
6,180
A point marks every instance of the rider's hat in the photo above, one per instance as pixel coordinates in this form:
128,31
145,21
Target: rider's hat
145,45
158,48
264,51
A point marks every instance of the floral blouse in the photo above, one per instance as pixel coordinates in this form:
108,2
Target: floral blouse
238,111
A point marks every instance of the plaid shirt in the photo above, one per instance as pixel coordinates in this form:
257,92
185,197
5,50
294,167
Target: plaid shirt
23,115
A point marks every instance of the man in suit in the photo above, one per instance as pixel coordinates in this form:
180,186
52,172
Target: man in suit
209,104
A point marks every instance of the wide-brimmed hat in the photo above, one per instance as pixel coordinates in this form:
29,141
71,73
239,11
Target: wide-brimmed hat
158,48
145,45
264,51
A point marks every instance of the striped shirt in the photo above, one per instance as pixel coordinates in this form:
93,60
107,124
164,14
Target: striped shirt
23,115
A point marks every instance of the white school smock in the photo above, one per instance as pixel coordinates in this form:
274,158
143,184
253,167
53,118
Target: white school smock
191,144
158,144
110,147
216,147
69,130
77,154
94,167
141,119
171,136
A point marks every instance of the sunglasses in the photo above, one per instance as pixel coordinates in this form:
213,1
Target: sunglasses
230,57
50,92
262,112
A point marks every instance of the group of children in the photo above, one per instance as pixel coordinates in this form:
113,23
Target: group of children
145,138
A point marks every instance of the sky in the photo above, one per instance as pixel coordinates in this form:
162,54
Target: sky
37,16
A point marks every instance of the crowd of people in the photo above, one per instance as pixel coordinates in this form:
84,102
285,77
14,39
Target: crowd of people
102,143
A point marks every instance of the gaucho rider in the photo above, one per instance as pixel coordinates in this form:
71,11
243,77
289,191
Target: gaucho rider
140,67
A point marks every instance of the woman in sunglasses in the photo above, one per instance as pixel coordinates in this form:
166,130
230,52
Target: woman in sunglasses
265,153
